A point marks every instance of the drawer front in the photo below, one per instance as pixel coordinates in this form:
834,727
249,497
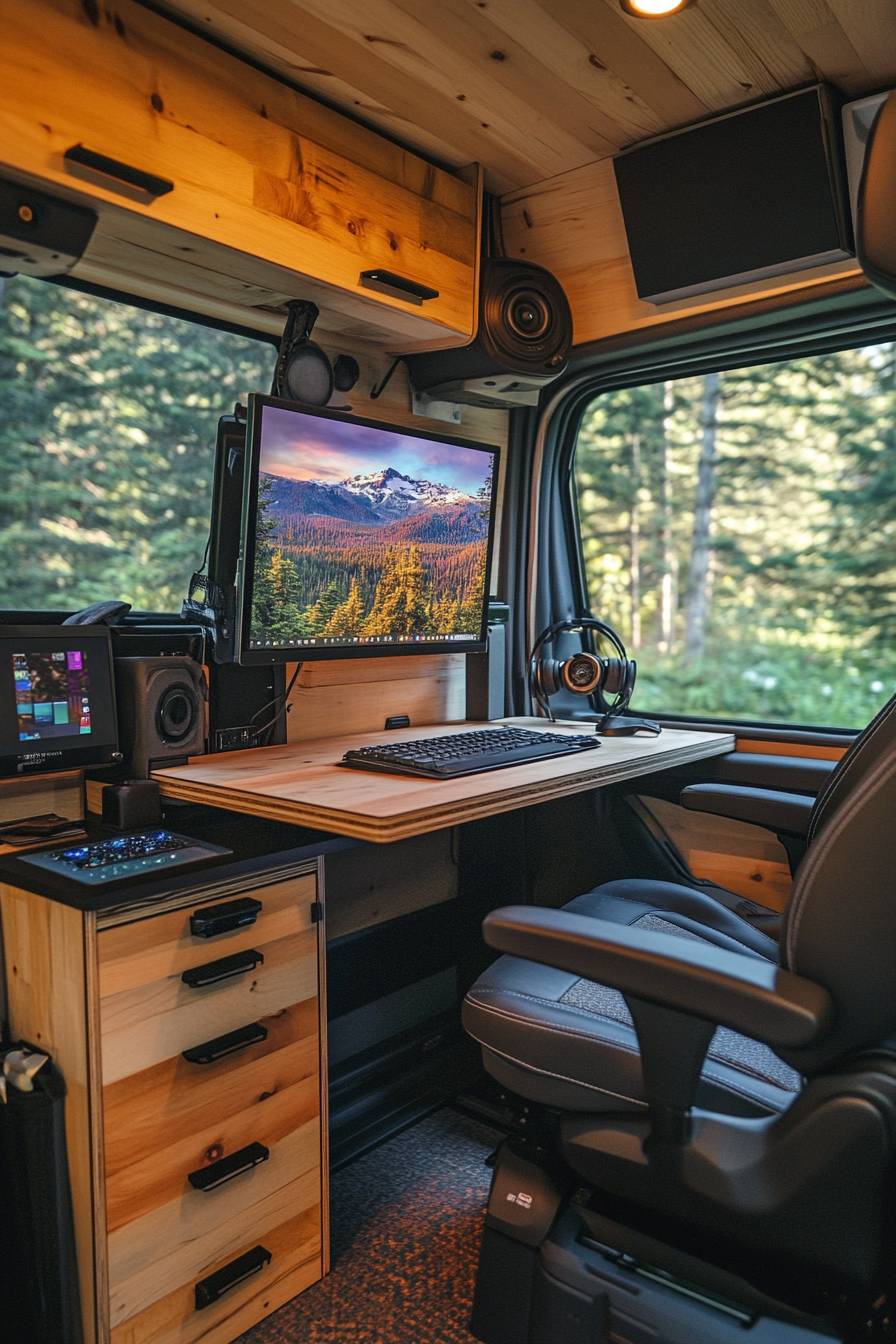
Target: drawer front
165,1118
151,949
295,1249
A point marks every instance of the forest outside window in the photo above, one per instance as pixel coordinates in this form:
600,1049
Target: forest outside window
107,441
738,530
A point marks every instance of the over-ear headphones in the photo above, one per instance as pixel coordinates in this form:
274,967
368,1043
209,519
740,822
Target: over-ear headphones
589,673
303,372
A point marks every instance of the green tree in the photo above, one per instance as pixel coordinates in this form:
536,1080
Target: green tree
107,445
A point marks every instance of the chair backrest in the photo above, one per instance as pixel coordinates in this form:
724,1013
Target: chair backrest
840,922
872,744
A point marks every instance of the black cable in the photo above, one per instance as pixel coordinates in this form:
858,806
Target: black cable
379,388
267,727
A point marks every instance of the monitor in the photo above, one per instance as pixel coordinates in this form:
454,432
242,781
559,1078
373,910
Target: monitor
361,539
57,698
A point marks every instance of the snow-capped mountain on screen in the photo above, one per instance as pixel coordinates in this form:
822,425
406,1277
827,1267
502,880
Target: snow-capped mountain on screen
391,493
381,497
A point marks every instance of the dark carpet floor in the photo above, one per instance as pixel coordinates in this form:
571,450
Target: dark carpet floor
405,1225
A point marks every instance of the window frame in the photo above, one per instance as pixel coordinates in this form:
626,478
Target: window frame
844,314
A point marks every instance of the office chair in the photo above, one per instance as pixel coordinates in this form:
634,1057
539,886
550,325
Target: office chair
717,1111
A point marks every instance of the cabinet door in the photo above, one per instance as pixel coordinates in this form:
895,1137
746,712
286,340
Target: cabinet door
208,1163
263,193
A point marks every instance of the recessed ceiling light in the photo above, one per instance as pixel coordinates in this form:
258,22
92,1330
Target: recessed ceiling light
653,9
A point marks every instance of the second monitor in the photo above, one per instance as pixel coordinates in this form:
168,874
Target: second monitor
361,538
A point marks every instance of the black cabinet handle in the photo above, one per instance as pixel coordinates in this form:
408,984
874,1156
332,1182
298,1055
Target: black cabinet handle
397,286
243,1267
213,971
210,1177
215,919
222,1046
121,172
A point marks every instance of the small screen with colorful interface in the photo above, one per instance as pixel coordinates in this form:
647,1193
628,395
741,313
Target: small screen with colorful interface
57,702
364,537
52,694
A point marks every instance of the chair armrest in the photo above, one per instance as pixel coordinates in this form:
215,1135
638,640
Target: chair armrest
745,993
786,813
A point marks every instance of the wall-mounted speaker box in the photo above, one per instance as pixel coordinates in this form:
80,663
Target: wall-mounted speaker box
747,196
522,342
161,712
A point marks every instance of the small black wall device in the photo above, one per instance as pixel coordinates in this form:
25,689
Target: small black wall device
522,344
744,197
161,712
40,234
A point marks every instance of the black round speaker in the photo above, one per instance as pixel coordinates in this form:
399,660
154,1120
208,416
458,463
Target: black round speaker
525,321
176,712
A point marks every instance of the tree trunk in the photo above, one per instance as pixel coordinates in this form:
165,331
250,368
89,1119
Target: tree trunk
697,603
635,543
668,588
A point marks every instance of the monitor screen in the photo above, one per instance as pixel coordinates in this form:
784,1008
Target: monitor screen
360,538
57,702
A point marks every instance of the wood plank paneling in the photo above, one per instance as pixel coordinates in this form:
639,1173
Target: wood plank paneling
748,860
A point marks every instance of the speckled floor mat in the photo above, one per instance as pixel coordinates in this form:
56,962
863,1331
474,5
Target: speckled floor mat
405,1226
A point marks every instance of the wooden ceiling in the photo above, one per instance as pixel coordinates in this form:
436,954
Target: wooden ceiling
534,88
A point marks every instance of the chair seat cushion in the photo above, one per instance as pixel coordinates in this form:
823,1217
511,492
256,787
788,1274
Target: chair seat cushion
556,1038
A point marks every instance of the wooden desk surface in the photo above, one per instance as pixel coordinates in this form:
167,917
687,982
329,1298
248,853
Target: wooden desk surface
302,783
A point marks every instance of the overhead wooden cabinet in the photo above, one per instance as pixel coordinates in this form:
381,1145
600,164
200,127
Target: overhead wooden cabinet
272,195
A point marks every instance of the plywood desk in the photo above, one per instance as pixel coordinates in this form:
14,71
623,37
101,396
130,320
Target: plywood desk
303,783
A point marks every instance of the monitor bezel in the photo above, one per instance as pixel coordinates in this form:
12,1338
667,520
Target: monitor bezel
247,656
23,763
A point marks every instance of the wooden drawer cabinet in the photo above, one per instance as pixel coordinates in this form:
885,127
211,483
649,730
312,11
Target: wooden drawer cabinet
248,1126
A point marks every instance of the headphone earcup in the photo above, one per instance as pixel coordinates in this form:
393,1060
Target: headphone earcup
548,673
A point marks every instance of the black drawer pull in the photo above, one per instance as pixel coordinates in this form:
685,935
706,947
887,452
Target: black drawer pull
222,1046
121,172
215,919
209,1178
397,286
213,971
243,1267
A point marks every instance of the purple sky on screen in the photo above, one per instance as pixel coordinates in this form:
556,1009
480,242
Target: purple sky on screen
305,447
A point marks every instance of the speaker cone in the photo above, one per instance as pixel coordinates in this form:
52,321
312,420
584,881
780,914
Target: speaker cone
176,713
525,321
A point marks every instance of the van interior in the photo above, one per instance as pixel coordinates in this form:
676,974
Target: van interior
447,676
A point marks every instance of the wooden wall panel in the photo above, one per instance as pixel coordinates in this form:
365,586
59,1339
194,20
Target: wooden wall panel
573,225
358,696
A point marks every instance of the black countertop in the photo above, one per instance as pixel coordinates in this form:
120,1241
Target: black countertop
257,846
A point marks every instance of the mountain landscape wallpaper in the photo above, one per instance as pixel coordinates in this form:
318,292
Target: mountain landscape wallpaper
366,534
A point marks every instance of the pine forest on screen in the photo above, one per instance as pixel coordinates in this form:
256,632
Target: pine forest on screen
350,546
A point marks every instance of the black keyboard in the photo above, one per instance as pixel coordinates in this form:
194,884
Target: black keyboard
468,753
126,847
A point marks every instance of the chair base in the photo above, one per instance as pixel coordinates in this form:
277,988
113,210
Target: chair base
551,1269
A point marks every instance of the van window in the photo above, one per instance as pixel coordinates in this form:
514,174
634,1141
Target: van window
107,431
738,530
